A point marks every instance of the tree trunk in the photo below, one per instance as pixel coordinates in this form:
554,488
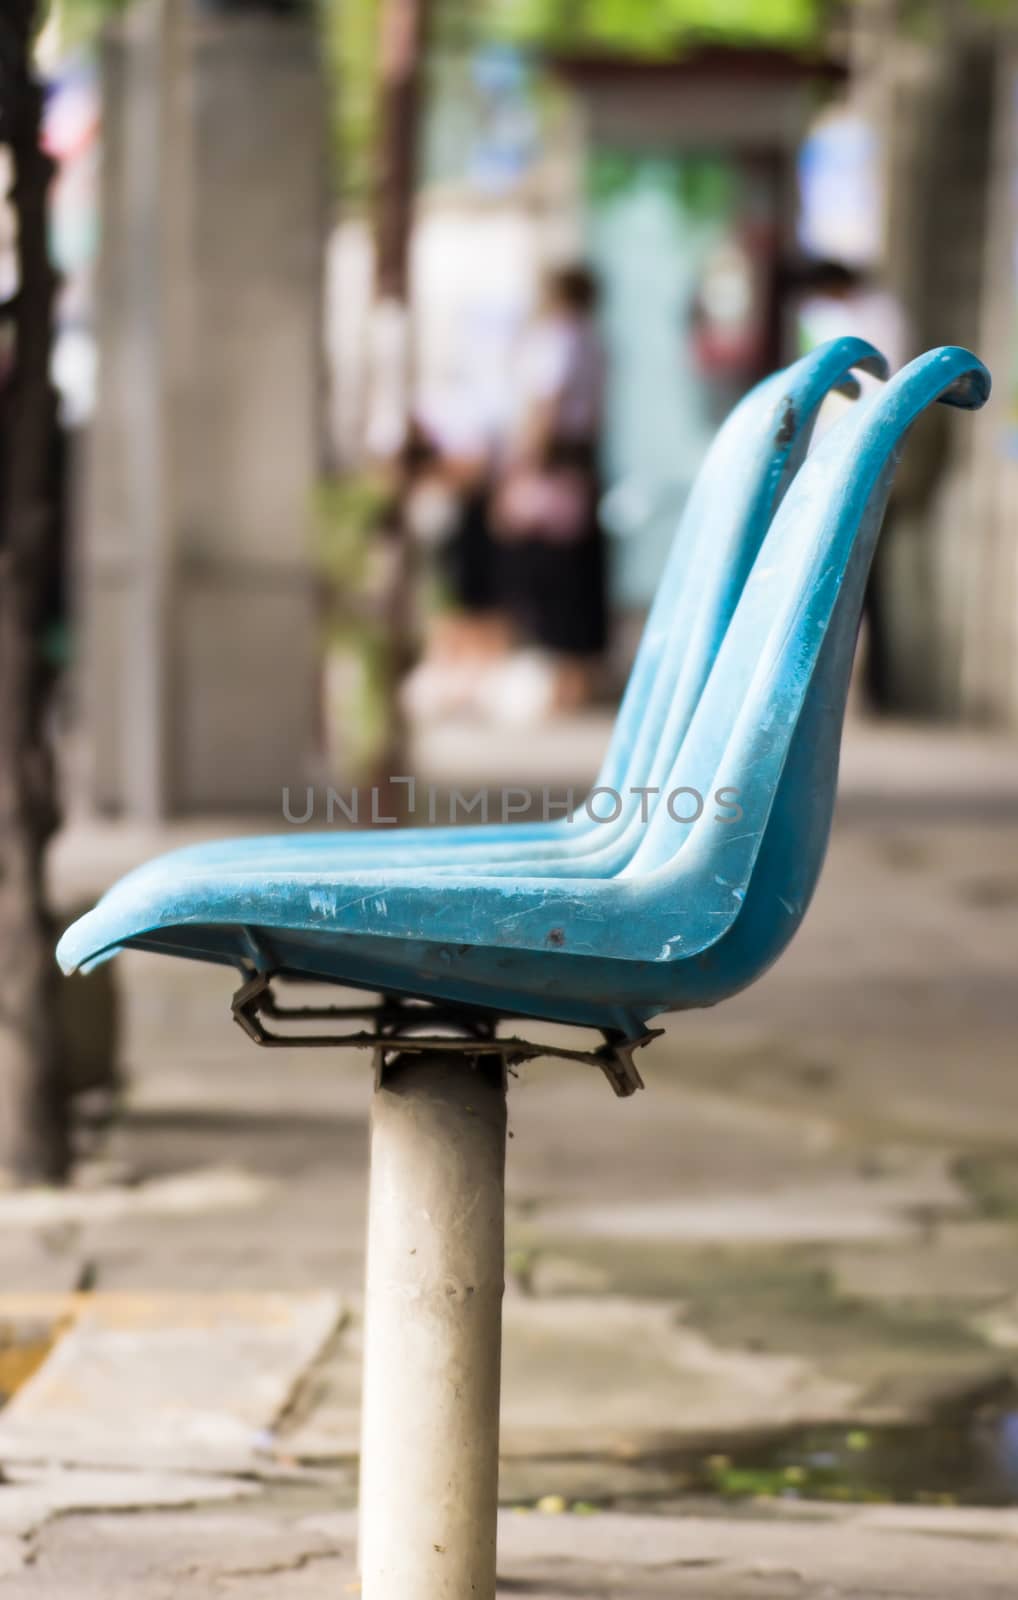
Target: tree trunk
402,43
403,34
33,1119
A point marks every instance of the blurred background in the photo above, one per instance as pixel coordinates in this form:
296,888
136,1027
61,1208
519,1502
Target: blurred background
324,275
356,360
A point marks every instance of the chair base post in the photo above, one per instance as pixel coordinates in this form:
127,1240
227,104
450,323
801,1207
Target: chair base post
433,1330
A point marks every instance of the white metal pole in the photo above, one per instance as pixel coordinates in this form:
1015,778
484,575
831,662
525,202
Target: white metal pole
433,1331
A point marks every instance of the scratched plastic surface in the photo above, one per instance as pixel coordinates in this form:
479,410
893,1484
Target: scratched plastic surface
665,916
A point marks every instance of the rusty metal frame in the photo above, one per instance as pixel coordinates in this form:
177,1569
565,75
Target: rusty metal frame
394,1021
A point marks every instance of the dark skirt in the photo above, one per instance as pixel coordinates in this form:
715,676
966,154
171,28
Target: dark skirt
470,559
555,589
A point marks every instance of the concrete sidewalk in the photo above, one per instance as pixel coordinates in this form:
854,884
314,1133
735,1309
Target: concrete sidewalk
262,1552
810,1219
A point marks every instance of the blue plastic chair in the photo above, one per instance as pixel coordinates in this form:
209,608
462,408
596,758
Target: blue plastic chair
747,470
744,686
695,910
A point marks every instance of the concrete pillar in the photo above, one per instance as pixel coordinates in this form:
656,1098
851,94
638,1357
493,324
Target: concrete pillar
949,125
126,563
197,585
433,1331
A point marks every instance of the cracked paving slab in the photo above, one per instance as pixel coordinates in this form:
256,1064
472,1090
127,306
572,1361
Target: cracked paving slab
31,1497
644,1376
256,1551
190,1382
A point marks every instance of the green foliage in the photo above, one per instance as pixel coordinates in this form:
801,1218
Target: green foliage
349,514
82,20
657,29
350,46
629,27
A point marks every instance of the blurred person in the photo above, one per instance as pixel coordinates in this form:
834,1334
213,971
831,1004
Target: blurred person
835,299
730,320
475,627
449,510
550,562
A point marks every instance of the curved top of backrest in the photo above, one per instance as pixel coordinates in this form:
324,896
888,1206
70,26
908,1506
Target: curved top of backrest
747,469
746,717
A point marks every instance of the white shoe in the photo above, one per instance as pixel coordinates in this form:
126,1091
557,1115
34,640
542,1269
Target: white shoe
518,692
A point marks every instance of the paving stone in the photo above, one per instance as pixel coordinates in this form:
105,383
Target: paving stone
191,1382
827,1210
257,1553
972,1263
600,1377
585,1374
29,1498
44,1260
185,1194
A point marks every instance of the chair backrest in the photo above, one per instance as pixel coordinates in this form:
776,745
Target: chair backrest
768,724
745,474
753,458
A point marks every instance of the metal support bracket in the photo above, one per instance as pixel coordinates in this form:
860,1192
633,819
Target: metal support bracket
394,1031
